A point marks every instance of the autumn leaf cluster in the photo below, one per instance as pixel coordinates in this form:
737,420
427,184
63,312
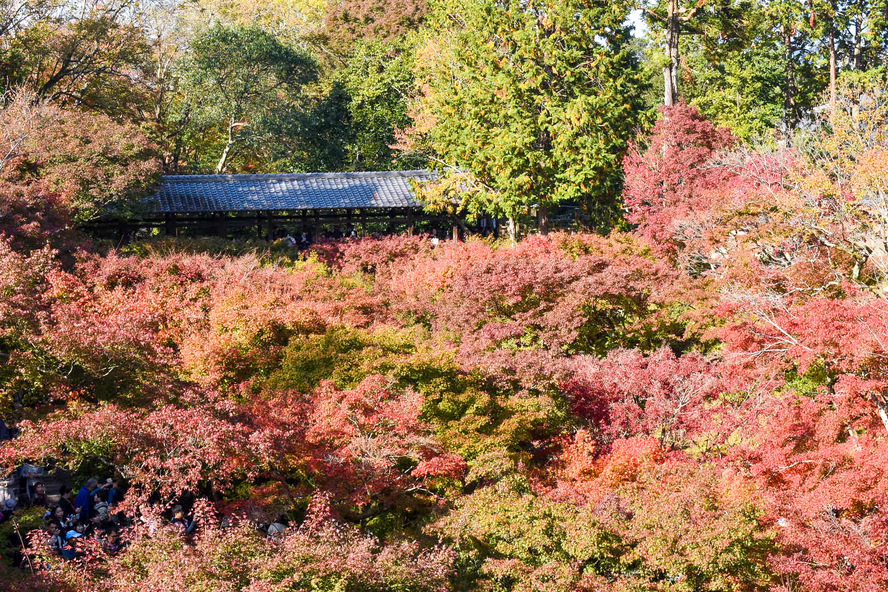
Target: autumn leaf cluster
697,403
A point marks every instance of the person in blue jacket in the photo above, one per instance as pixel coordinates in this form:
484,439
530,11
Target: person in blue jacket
84,500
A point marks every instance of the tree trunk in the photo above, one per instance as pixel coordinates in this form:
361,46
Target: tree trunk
789,98
670,70
513,229
226,152
832,66
543,217
857,62
881,408
223,160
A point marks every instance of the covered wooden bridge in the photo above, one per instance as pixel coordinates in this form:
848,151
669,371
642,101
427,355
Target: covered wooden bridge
272,205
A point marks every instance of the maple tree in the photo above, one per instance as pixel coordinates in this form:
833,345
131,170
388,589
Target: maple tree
60,165
669,185
698,402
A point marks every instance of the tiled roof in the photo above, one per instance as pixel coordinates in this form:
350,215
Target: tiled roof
182,194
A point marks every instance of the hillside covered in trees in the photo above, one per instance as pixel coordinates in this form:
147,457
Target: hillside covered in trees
687,394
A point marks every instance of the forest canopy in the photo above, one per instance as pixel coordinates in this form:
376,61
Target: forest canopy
685,390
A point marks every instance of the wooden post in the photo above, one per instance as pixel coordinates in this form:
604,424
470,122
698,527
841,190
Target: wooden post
363,214
269,224
123,232
410,222
455,231
259,225
222,225
169,225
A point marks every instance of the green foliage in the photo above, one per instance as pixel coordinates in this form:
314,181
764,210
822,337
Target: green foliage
23,522
378,77
345,356
537,101
525,542
694,531
660,537
750,65
470,417
351,118
742,92
811,382
316,136
750,74
239,82
477,421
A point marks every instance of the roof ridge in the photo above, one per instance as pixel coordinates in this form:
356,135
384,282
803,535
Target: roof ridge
295,176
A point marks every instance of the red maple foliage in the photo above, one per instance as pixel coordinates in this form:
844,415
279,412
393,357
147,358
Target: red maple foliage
698,404
662,395
671,184
58,165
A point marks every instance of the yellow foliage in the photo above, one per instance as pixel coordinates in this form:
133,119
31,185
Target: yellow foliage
869,176
287,18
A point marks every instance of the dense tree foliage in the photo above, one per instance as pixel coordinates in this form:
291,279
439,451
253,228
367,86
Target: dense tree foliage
374,91
695,404
534,100
61,165
380,20
695,401
241,82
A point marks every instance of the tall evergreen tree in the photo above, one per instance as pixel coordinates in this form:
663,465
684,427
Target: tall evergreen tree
537,101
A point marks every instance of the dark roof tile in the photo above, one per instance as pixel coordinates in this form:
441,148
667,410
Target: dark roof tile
185,194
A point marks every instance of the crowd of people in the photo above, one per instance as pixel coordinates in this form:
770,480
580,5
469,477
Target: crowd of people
87,515
79,519
89,518
484,227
